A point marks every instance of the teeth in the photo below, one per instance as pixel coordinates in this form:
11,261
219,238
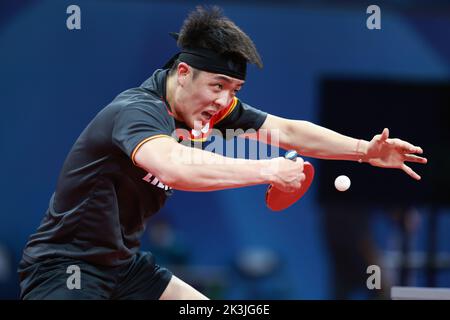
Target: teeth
208,114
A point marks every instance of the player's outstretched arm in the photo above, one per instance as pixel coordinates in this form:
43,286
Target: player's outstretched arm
191,169
312,140
318,142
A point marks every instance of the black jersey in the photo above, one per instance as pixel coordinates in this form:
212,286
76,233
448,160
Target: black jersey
102,199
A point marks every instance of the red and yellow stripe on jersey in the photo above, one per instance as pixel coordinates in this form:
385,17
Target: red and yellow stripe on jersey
203,134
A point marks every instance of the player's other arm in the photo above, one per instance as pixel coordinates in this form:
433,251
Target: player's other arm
318,142
312,140
191,169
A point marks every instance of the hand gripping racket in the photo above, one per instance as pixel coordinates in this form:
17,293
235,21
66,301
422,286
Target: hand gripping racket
278,200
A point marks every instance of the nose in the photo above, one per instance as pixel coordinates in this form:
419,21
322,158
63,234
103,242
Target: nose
223,100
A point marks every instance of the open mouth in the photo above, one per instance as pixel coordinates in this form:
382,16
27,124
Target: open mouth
207,115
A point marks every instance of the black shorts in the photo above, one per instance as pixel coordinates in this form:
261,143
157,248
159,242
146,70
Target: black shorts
141,279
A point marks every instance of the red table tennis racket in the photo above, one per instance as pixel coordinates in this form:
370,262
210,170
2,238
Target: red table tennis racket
278,200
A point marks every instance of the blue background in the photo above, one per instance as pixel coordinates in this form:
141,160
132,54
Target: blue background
54,80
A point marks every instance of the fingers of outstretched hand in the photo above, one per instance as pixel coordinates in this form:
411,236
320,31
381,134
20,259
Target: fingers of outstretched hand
410,172
405,146
414,158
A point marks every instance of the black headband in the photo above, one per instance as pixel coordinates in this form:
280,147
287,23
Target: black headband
208,60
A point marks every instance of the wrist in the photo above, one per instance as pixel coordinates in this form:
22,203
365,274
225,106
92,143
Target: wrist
268,170
362,147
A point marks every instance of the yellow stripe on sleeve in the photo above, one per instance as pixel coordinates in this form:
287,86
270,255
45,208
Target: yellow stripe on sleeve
133,154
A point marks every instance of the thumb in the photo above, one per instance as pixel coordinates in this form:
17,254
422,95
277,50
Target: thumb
385,134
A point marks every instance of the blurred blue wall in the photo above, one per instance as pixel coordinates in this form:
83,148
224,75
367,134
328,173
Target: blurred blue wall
53,81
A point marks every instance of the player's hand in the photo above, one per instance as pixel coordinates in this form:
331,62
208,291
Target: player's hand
393,153
288,175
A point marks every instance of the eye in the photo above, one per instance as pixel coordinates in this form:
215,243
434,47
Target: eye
235,91
219,86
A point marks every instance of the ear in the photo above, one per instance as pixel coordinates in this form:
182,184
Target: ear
183,71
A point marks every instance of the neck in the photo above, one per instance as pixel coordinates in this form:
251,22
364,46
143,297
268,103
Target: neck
170,95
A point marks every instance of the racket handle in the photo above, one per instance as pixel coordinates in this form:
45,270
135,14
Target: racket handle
291,155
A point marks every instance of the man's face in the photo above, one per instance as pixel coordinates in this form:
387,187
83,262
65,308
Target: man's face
202,96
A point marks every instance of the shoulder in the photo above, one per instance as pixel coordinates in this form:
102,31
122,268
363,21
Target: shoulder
142,101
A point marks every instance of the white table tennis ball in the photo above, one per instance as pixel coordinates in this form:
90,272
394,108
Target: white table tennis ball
342,183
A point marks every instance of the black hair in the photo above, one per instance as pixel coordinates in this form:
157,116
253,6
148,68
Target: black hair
208,28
